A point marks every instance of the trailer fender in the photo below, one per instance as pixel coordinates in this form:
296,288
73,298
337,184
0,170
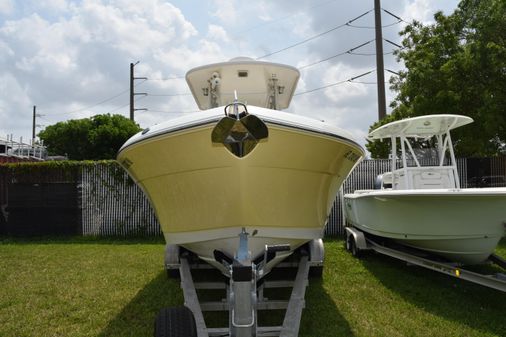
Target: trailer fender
172,257
316,252
358,237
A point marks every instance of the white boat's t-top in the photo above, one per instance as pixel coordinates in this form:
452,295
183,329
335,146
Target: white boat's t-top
420,127
442,170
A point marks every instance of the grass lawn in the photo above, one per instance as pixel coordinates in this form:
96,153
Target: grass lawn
82,287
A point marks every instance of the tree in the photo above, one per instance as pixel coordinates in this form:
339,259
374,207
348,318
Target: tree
98,137
458,66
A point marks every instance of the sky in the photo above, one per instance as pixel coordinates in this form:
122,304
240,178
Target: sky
72,59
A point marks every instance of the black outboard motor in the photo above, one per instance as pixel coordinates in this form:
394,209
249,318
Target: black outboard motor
378,182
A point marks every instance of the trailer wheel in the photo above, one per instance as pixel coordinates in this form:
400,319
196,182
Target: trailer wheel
316,272
172,261
351,246
347,244
175,322
316,251
173,274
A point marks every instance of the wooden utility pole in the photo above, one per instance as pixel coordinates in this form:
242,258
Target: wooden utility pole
33,124
380,68
132,93
132,65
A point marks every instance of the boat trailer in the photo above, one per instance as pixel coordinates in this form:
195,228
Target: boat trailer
244,291
357,242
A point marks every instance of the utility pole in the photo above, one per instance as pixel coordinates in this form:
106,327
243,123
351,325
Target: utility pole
132,93
380,71
132,90
33,125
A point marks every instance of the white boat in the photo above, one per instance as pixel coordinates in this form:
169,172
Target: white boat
424,206
241,163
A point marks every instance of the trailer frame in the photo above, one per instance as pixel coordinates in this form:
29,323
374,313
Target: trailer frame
358,241
244,291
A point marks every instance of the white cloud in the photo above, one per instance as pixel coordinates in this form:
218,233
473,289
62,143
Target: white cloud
225,11
69,55
217,33
186,58
6,7
15,105
53,6
5,51
71,62
39,46
422,10
346,91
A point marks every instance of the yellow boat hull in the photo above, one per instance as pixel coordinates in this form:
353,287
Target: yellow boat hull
203,194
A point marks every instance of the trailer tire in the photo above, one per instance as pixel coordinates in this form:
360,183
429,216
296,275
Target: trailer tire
316,252
173,274
347,244
172,254
316,272
175,322
351,246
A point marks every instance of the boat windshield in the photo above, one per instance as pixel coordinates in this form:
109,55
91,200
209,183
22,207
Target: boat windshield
425,152
424,163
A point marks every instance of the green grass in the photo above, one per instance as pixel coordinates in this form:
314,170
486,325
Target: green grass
95,287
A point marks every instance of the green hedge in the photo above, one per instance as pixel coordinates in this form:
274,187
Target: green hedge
51,171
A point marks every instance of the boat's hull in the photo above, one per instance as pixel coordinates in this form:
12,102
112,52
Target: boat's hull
203,194
462,225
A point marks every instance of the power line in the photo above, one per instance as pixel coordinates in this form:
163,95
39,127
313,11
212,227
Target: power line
314,36
349,51
372,27
358,17
323,60
371,54
120,107
91,106
173,112
363,82
301,42
170,95
393,72
95,113
333,84
320,88
394,44
138,98
167,78
284,17
395,16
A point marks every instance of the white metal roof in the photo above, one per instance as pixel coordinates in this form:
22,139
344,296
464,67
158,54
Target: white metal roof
251,79
422,126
